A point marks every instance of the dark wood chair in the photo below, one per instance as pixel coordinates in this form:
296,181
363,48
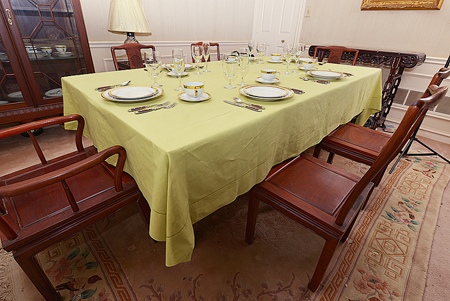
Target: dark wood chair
133,51
335,53
46,203
211,45
362,144
323,198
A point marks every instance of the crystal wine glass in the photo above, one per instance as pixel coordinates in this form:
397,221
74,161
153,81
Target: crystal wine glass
153,65
197,53
251,45
230,64
178,65
298,51
243,63
206,53
261,50
288,50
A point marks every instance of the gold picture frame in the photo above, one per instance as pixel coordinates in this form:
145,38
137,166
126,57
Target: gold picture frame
401,4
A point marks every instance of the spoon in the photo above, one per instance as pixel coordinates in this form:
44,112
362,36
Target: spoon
247,103
315,80
101,89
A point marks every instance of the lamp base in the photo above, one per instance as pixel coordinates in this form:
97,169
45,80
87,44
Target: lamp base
130,38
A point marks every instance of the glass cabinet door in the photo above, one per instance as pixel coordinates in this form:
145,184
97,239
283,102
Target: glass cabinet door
49,33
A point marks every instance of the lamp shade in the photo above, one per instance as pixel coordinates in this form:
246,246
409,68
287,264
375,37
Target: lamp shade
128,16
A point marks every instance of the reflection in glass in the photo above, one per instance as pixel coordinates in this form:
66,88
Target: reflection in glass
9,89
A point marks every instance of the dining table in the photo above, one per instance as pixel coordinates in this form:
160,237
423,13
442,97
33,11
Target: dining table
199,156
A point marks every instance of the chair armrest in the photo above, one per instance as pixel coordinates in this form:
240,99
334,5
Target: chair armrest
68,171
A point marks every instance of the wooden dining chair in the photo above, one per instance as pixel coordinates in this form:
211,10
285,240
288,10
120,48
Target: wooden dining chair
335,53
362,144
324,198
211,45
48,202
133,51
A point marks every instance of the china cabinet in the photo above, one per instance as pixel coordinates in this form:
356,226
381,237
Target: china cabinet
40,42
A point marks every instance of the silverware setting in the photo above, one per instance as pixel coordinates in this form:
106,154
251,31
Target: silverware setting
101,89
320,81
243,106
238,100
148,106
156,108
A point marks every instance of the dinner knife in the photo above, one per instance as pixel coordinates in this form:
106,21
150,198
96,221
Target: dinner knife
148,106
242,106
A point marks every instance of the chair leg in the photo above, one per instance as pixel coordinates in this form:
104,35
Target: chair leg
330,158
317,150
378,178
32,269
322,265
253,205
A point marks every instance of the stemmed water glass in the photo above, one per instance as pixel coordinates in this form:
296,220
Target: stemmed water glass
243,63
178,65
197,53
206,53
261,50
153,65
298,51
230,64
288,50
251,45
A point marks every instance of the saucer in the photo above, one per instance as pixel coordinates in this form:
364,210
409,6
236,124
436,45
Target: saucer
263,81
305,69
275,62
171,73
185,97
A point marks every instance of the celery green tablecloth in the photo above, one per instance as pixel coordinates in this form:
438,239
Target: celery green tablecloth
198,157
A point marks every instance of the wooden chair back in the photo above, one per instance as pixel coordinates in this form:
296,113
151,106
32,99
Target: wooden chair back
335,53
211,45
393,146
133,51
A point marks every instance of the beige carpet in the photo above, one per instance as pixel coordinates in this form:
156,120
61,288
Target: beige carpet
385,257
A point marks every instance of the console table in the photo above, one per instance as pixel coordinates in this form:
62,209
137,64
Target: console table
396,61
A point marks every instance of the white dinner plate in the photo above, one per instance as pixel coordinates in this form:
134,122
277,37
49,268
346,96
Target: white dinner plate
263,81
186,66
185,97
266,93
158,93
275,62
132,92
173,74
54,93
16,95
326,75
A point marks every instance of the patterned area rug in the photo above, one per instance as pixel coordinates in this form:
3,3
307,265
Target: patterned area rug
385,257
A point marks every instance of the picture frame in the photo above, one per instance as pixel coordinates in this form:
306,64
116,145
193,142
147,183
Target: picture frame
400,4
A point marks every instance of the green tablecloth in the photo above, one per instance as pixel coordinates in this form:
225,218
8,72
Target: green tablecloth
198,157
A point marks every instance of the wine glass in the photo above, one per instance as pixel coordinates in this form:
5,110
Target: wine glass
261,50
251,45
178,66
206,53
243,63
230,64
288,50
153,65
197,53
298,51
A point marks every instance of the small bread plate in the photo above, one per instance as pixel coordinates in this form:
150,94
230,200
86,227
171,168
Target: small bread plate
65,54
186,66
307,69
275,62
132,92
173,74
326,75
263,81
54,92
158,93
266,93
185,97
15,95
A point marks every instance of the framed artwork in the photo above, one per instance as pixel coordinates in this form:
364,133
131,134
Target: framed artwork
401,4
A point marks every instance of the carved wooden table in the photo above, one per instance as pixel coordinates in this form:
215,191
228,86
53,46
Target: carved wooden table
396,61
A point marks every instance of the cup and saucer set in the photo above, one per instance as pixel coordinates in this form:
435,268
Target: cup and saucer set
194,92
275,58
268,76
308,64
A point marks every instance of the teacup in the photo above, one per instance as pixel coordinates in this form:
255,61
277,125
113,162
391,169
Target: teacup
194,89
269,74
47,50
308,63
275,57
61,48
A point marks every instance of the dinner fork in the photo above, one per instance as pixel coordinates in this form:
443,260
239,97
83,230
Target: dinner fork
148,106
156,108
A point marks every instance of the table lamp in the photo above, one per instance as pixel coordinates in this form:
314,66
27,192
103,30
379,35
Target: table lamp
127,16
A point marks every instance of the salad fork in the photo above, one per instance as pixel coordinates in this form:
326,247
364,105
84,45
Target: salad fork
156,108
